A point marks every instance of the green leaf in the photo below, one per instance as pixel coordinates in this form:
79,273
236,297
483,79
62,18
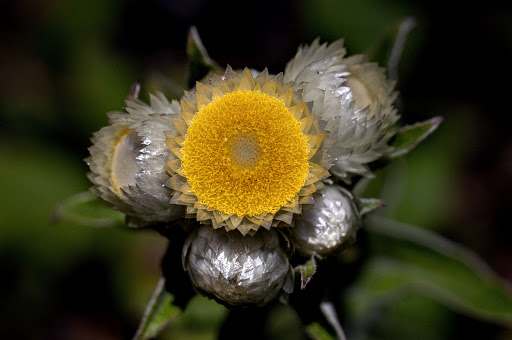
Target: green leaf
200,62
159,312
306,270
367,205
417,261
87,209
388,48
317,332
411,135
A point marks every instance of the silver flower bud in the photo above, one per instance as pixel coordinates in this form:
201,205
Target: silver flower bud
128,161
353,96
235,269
330,226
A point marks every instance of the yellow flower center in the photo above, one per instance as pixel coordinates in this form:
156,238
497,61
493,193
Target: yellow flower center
245,154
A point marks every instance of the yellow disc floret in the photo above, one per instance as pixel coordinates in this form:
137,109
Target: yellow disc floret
245,154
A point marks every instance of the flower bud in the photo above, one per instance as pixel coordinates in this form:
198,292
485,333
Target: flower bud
128,161
236,269
330,226
353,96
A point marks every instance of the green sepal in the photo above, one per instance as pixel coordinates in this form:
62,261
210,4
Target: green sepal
306,270
411,135
415,261
200,62
367,205
158,313
87,209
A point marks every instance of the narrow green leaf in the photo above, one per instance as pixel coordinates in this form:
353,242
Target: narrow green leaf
159,312
418,261
367,205
200,62
329,312
317,332
306,270
388,48
411,135
87,209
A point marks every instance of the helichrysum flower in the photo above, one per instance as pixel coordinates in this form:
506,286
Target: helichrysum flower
353,96
245,152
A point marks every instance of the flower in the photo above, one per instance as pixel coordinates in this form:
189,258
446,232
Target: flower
246,152
353,96
246,156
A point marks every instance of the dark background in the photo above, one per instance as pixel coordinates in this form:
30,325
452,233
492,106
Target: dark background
63,64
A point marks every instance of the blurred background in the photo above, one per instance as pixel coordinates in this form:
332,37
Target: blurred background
64,64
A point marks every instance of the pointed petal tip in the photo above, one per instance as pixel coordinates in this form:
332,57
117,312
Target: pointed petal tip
135,90
436,121
192,30
193,36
